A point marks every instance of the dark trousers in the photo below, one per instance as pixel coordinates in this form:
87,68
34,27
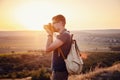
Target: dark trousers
59,75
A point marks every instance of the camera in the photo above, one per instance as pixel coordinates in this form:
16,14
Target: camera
50,27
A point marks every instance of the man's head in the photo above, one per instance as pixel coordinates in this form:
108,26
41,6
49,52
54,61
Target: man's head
58,22
58,18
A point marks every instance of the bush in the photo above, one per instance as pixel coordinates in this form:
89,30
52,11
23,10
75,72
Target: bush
41,74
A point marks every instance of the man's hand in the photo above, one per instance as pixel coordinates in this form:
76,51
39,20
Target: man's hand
48,29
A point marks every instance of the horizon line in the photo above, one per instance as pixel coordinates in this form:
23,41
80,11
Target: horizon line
68,30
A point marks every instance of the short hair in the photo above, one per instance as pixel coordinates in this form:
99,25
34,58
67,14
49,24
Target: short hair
60,18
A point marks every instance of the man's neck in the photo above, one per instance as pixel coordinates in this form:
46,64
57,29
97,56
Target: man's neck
62,30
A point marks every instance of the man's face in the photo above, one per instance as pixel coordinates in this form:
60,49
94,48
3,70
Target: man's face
57,25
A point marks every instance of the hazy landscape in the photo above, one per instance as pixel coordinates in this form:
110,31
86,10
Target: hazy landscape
91,40
20,55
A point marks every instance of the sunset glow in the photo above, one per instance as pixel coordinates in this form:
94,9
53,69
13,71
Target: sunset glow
80,14
32,15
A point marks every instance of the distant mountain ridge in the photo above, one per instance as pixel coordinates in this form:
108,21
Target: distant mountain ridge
109,31
88,40
19,33
104,31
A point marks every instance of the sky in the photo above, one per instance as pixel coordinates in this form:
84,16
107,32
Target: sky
80,14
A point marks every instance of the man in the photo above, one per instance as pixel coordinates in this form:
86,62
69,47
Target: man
63,41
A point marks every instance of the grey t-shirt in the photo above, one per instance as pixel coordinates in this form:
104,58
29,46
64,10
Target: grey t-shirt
58,63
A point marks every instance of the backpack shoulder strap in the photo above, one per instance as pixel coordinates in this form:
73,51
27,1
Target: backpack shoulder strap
76,47
60,50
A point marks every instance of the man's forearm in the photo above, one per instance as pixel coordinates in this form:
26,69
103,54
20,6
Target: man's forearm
49,41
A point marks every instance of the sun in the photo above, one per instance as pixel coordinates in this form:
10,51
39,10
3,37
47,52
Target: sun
33,15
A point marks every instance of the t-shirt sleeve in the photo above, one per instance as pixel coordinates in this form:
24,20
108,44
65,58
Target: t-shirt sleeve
63,37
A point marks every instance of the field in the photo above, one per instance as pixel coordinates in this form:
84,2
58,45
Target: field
21,65
20,54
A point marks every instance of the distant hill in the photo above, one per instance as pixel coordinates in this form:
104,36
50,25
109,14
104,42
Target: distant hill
90,31
104,31
88,40
20,33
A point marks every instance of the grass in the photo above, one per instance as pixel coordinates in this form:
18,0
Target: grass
110,73
101,59
20,65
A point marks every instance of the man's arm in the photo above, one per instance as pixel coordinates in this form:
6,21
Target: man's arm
50,46
49,42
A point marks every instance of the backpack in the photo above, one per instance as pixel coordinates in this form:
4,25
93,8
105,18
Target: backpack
74,62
